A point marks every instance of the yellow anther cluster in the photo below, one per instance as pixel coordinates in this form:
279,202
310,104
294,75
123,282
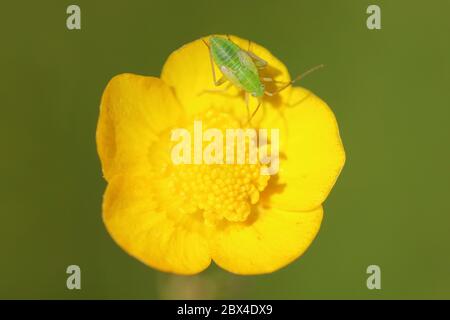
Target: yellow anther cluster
219,191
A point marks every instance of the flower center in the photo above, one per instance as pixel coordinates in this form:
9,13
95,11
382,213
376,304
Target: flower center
219,191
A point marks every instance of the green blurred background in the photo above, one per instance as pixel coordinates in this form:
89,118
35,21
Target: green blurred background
389,90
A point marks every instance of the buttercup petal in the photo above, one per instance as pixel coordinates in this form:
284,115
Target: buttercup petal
313,154
133,111
267,242
147,231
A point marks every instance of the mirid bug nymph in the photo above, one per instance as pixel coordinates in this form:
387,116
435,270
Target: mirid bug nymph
242,69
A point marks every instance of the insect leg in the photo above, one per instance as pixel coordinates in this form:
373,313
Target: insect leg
259,62
229,39
221,80
269,79
255,111
270,94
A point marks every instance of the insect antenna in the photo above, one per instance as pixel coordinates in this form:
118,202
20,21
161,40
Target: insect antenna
304,74
205,42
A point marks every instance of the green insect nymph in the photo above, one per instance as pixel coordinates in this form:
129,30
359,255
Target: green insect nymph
242,68
236,65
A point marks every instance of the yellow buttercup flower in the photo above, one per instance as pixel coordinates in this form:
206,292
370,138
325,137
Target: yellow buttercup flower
178,217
